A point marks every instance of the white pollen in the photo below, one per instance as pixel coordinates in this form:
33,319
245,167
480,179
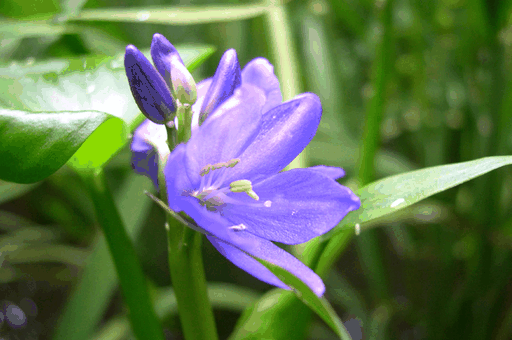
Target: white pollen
267,204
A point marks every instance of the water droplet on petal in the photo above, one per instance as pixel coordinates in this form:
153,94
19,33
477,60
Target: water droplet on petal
397,203
238,227
267,204
143,15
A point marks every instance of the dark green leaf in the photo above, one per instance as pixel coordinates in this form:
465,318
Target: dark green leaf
35,145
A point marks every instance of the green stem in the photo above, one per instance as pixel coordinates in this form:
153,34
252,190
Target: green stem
143,319
184,123
189,283
185,259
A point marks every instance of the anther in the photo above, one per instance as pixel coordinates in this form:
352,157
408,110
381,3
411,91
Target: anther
229,164
243,185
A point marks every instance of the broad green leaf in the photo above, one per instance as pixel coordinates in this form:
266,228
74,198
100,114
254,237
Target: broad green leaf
318,304
192,15
35,145
390,194
50,115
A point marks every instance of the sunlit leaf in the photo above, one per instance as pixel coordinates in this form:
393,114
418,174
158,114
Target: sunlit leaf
48,117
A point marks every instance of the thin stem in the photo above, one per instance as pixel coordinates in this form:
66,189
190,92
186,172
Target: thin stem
184,123
144,321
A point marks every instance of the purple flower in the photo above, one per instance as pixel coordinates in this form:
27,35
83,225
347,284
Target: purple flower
228,177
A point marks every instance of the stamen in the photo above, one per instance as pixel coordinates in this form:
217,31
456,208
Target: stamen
229,164
244,185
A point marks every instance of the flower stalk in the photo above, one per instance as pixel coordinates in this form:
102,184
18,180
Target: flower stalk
186,263
188,281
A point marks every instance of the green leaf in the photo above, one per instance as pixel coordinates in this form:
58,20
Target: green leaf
174,16
319,305
391,194
35,145
69,111
277,315
16,28
97,283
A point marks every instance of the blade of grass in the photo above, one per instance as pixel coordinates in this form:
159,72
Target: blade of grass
368,243
285,58
143,319
91,295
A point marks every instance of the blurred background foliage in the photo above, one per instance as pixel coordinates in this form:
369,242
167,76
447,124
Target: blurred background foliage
422,83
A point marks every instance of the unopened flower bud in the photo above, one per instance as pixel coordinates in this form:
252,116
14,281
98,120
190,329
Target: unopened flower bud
226,79
168,62
182,82
148,87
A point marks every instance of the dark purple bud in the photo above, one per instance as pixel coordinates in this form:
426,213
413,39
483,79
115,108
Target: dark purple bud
226,79
148,87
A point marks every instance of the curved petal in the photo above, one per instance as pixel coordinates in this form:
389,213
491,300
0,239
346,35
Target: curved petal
148,87
245,243
214,224
176,178
144,157
285,132
329,171
246,263
294,206
226,79
227,132
260,72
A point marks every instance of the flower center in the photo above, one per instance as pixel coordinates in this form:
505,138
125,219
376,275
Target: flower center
213,192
